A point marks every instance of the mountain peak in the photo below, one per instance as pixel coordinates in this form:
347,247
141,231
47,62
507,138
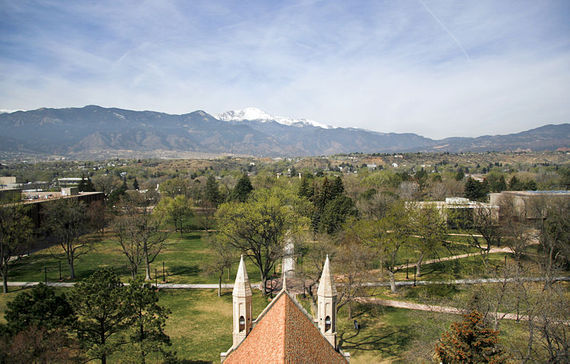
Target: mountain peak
255,114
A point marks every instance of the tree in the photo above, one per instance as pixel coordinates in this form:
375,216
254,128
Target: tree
515,184
212,194
138,231
335,213
306,189
331,206
242,189
135,184
431,229
470,341
175,186
257,228
224,258
421,178
496,181
485,222
460,174
15,234
475,190
177,211
149,319
386,236
352,262
106,183
66,220
118,193
40,308
98,218
103,312
86,185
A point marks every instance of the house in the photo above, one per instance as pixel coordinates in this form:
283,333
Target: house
284,332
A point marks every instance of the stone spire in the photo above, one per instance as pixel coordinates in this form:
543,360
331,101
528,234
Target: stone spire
242,287
241,305
326,295
326,284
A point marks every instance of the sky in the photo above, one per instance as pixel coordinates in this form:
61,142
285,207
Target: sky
435,68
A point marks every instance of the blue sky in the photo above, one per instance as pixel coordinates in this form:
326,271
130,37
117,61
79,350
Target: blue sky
437,68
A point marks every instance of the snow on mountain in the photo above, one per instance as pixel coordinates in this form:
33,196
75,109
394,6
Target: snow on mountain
252,113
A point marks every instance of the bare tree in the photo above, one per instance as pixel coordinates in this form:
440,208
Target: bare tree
486,223
431,228
313,250
353,262
225,256
66,221
138,232
15,233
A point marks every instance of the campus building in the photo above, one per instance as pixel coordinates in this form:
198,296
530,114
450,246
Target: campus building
527,203
284,332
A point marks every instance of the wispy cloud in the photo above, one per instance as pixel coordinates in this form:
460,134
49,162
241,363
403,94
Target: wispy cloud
431,67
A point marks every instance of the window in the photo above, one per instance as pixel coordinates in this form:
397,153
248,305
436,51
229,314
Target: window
241,323
327,323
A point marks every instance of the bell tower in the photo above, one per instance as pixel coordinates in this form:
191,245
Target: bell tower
327,304
241,305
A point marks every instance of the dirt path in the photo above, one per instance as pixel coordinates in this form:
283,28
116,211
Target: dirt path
453,257
434,308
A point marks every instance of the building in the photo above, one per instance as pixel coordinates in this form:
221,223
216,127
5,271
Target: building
460,208
525,203
284,332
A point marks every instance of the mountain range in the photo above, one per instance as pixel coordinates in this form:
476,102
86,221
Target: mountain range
94,132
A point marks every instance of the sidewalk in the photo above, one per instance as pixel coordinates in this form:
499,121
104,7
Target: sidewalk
258,285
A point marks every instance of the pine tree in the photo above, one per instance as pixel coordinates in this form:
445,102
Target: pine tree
305,189
212,191
103,311
242,189
470,341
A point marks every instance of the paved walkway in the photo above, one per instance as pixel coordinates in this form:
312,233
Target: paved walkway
434,308
258,285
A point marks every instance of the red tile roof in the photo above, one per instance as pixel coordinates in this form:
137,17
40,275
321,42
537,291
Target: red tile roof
284,334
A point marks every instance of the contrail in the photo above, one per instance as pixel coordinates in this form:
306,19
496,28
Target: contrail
446,30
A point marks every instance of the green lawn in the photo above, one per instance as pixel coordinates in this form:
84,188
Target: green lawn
185,260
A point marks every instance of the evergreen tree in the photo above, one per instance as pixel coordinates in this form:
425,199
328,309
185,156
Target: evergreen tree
460,174
82,184
149,319
212,191
475,190
89,186
470,341
305,189
135,184
103,312
337,188
40,307
335,213
242,189
515,184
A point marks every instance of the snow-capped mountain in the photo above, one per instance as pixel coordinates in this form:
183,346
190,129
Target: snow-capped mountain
254,114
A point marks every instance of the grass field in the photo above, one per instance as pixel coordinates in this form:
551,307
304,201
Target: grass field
200,323
185,258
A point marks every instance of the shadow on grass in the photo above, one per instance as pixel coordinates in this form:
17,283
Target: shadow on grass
184,270
390,340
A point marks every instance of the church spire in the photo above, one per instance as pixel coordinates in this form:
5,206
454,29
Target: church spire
326,283
241,305
242,286
327,301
